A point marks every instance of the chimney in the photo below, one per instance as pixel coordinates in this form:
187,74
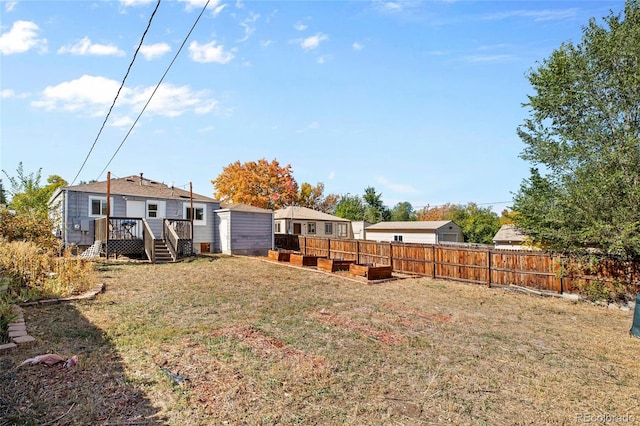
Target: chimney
140,178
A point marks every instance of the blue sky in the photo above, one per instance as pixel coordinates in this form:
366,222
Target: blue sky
419,99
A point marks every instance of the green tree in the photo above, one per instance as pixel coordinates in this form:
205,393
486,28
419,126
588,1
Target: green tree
374,210
27,194
584,134
350,207
403,212
479,224
3,195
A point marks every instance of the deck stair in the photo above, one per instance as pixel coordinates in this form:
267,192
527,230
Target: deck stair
162,253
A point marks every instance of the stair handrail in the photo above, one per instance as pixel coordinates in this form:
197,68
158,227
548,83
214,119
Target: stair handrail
148,238
171,238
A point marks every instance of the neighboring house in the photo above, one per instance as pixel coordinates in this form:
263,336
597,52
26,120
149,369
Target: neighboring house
429,232
243,229
359,229
509,238
296,220
142,211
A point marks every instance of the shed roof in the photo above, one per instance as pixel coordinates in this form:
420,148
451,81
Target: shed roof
240,207
509,233
138,186
421,225
304,213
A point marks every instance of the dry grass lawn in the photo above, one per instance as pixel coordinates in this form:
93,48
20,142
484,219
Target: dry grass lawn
236,340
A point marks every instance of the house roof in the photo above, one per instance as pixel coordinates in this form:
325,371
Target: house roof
509,233
422,225
304,213
138,186
240,207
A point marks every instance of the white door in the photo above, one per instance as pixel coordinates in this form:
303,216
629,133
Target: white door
225,244
136,209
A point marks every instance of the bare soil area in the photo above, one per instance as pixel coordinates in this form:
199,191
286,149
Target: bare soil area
238,340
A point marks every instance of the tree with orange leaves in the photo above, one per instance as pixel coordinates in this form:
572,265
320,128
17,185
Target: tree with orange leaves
257,183
442,212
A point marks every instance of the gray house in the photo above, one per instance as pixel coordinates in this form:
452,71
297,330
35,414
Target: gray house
429,232
145,216
243,229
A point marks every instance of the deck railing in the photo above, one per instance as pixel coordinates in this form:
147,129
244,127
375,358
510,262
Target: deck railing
149,246
177,234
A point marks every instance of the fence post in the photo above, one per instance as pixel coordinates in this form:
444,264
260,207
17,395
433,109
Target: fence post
391,255
328,248
358,252
433,253
489,268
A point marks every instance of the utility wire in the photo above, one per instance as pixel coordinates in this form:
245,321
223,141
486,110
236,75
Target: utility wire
156,88
117,94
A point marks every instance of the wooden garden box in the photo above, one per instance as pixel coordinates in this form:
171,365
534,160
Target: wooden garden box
279,255
370,272
333,265
303,260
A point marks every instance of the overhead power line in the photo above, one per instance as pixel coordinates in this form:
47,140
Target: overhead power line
118,93
156,88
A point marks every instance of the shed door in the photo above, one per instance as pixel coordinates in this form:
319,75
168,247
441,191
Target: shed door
225,243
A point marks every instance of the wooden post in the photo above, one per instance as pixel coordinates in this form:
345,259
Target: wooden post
489,268
391,255
433,253
358,252
328,248
106,243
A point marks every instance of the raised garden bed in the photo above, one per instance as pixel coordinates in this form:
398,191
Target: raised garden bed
280,255
370,271
334,265
303,260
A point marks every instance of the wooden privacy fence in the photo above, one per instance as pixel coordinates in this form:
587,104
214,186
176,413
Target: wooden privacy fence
478,265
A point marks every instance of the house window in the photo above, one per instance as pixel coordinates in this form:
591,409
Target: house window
328,228
199,213
311,228
98,206
152,210
277,227
397,238
342,230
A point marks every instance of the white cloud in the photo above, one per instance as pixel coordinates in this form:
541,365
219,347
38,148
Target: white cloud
314,41
131,3
210,52
22,37
357,46
153,51
322,59
85,47
11,94
121,122
266,43
199,4
299,26
248,28
93,95
536,15
332,175
10,5
87,94
398,187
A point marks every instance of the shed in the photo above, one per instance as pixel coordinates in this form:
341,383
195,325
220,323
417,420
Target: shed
243,229
427,232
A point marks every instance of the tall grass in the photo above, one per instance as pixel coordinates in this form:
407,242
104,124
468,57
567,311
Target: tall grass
28,272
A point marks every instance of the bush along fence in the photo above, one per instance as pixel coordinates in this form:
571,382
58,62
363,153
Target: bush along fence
596,279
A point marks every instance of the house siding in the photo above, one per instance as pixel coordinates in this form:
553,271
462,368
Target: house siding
251,233
407,236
